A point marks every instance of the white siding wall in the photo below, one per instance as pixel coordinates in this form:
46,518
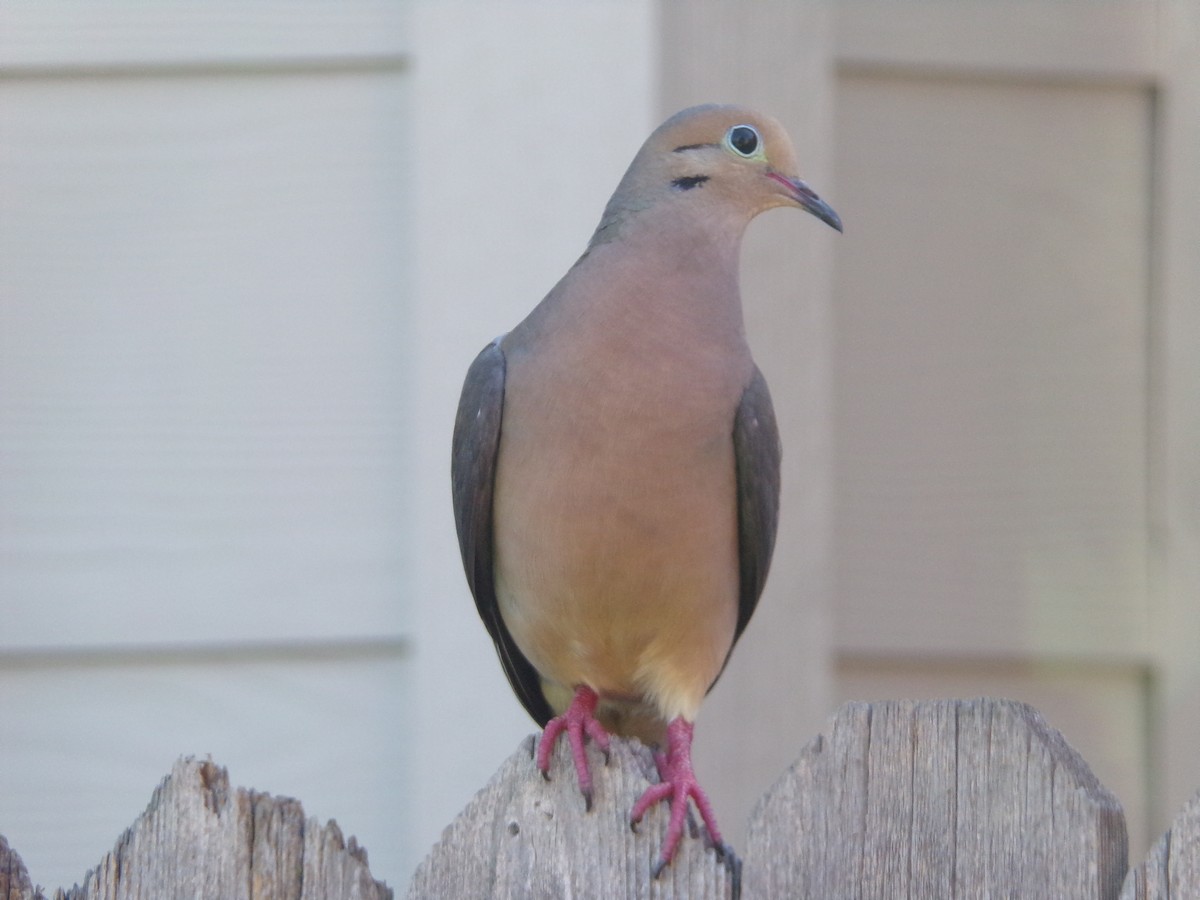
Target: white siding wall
248,252
206,235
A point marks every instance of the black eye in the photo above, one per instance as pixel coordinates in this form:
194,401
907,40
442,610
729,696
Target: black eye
743,139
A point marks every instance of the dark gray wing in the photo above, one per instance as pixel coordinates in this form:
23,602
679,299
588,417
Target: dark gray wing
757,451
473,474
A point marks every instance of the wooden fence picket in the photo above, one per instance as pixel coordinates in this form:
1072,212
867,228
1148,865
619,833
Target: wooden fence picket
962,798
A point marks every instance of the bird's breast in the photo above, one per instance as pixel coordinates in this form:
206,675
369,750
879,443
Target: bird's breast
615,515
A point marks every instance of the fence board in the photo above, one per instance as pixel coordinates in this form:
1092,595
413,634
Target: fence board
1172,868
200,838
523,836
14,880
949,798
943,798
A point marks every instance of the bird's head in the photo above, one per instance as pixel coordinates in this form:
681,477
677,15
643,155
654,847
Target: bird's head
726,158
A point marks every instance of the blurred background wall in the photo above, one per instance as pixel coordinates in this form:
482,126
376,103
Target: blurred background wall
247,251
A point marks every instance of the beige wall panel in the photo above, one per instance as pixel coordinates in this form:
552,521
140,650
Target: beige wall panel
1101,710
1176,473
1114,40
775,56
202,421
990,367
86,742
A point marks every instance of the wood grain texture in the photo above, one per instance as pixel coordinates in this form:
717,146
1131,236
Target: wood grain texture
937,799
957,798
523,836
1172,869
14,879
1100,710
327,725
201,838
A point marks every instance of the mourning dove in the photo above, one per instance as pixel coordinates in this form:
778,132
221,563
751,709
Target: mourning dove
616,459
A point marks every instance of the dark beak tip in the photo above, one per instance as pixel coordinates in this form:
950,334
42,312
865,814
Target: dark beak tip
806,198
823,211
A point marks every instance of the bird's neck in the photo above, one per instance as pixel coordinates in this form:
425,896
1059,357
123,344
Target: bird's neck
662,280
698,254
656,284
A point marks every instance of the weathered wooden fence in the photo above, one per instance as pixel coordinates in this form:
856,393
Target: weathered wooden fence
897,799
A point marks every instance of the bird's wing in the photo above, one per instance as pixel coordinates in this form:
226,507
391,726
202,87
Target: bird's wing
757,452
473,473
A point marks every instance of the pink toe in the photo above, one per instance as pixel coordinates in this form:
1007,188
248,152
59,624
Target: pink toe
546,745
656,793
578,721
678,785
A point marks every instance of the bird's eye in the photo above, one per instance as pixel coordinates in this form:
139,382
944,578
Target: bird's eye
743,139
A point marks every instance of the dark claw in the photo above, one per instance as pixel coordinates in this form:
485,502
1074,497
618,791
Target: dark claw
633,826
607,755
733,865
587,801
546,775
658,868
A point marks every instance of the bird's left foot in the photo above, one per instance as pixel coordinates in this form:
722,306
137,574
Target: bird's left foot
578,720
678,784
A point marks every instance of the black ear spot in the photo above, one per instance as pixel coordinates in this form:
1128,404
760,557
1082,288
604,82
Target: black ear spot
687,182
744,140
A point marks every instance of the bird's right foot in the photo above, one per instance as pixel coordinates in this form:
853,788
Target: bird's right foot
578,721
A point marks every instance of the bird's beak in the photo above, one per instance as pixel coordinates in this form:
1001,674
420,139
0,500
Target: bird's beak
806,198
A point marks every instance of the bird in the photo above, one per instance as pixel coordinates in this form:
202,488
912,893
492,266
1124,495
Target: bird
616,460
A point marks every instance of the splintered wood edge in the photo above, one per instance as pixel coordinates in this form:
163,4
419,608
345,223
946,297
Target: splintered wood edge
14,879
1172,867
198,836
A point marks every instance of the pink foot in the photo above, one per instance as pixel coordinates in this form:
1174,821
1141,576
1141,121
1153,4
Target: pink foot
578,720
677,785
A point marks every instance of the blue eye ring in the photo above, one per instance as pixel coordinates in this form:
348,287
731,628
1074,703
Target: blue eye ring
744,140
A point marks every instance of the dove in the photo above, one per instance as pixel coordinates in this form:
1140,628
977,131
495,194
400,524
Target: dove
616,459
